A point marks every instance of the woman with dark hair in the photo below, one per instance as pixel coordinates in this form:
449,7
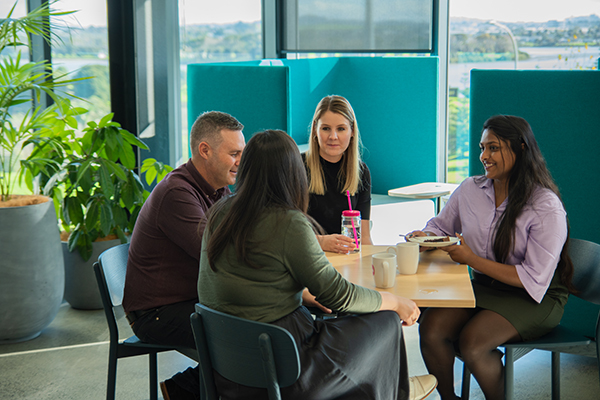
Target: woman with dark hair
514,235
334,166
259,253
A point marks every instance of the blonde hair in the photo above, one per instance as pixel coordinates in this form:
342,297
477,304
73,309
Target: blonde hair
351,166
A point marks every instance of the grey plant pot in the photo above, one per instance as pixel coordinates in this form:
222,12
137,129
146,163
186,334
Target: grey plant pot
81,288
32,274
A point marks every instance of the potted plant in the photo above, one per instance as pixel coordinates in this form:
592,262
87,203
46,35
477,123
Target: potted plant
98,196
31,262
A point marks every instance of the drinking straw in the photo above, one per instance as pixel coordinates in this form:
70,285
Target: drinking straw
352,219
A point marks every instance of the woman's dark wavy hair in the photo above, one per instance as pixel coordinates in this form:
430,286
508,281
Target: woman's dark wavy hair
528,172
271,175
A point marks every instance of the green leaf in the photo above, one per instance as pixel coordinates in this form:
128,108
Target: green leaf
73,239
56,199
121,235
133,217
150,175
133,139
105,179
71,121
106,218
127,156
127,195
93,214
75,210
84,245
117,169
138,187
119,215
106,119
112,143
52,182
82,170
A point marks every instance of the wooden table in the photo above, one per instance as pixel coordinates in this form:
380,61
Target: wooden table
439,281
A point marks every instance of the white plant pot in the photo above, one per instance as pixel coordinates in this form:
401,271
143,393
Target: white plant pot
32,274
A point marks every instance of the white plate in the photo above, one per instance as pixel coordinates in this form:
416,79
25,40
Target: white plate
423,241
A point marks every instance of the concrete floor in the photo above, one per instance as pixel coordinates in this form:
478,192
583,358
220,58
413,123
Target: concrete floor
69,359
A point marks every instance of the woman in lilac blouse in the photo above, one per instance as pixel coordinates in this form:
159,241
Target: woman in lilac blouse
514,235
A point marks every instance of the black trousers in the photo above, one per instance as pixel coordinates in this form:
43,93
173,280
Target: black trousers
170,325
355,357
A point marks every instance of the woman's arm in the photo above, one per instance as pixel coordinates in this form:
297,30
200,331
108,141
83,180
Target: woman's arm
462,253
406,309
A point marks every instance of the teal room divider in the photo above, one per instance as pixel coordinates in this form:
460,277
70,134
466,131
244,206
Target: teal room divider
257,96
563,109
395,100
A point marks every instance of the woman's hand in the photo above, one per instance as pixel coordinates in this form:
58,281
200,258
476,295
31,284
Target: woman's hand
309,300
461,253
415,234
336,243
418,234
406,309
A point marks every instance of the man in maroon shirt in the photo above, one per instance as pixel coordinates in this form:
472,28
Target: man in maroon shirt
164,255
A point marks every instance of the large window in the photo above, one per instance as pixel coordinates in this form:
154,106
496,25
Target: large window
361,26
83,52
486,34
216,31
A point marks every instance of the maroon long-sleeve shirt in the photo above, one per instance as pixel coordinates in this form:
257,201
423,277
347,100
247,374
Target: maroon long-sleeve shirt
164,254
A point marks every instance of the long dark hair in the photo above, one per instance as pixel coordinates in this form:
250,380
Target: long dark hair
271,175
528,173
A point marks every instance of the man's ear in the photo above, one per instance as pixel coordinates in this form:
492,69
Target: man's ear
204,150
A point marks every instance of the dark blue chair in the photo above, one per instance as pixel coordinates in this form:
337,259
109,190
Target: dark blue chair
586,278
247,352
110,273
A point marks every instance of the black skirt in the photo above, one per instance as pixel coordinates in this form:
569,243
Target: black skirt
351,357
530,319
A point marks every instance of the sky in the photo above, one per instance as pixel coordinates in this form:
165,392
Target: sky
524,10
224,11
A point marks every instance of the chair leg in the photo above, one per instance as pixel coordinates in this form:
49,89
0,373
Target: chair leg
555,375
112,374
153,376
466,383
269,366
509,374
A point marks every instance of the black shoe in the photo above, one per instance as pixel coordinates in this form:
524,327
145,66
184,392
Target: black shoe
172,391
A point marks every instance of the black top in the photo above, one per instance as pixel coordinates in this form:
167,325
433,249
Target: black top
327,209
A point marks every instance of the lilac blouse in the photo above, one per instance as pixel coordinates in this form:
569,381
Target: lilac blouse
540,231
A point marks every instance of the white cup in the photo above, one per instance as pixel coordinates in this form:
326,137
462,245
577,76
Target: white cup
384,269
407,254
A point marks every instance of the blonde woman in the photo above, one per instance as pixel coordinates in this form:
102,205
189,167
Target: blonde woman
334,166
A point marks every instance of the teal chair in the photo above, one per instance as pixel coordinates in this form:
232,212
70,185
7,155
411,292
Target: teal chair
586,278
246,352
110,274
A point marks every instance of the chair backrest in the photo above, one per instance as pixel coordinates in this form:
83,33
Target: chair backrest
235,349
114,266
110,272
586,275
582,310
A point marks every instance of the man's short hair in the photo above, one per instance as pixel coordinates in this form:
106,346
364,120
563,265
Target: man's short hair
208,126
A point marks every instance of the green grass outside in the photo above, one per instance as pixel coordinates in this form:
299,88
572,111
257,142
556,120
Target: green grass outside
458,170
